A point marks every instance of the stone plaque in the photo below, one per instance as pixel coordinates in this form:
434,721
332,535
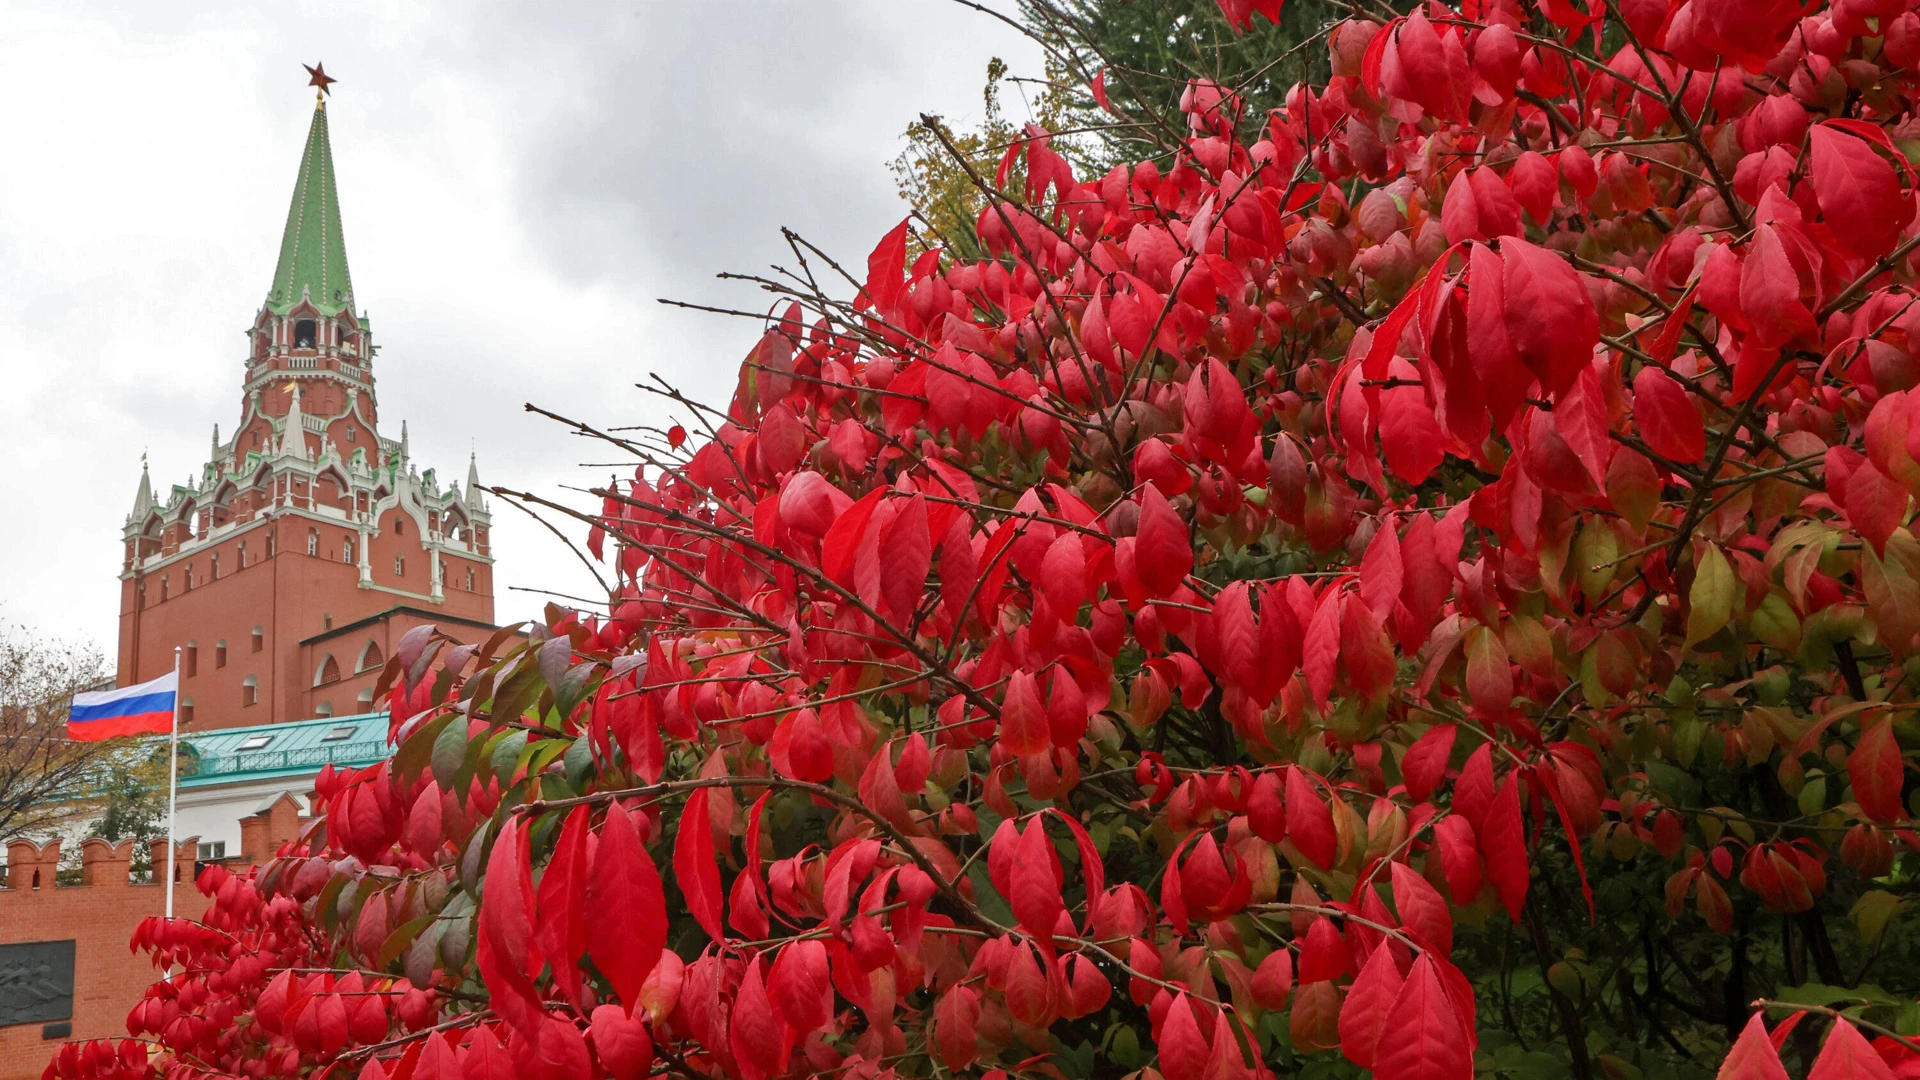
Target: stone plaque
36,982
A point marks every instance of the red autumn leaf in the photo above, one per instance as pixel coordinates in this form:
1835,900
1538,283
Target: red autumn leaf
884,267
1421,909
1425,763
1309,820
1324,954
1667,418
1876,504
1273,980
1023,719
696,868
1183,1049
1753,1056
1363,1016
1503,843
622,878
1858,191
1034,884
1489,673
1429,1041
1876,771
560,934
620,1042
1848,1056
503,954
955,1023
799,987
760,1041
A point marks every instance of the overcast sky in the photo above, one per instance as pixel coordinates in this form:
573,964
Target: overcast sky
518,185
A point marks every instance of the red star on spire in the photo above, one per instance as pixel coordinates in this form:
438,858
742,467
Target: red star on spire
319,78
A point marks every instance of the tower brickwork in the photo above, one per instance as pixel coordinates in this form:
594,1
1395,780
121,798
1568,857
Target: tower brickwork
289,564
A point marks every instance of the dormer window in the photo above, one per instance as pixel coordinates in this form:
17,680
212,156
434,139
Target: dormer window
303,334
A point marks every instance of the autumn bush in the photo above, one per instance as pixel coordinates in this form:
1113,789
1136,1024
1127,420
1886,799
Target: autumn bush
1423,588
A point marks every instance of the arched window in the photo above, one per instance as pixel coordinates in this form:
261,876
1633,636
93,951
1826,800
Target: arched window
165,588
399,566
371,656
213,573
329,672
304,333
249,690
186,712
220,654
259,639
469,579
399,525
325,708
190,659
346,549
313,541
365,701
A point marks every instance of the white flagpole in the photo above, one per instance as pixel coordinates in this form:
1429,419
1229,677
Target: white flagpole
173,772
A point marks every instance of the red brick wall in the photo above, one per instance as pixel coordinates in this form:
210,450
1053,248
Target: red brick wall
100,918
100,915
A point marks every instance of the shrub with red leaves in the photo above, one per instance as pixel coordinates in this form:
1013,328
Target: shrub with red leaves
1281,588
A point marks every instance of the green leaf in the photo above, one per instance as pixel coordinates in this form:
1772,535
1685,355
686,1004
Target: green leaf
513,697
416,753
573,688
449,754
507,747
1710,601
399,941
1774,623
579,758
1872,912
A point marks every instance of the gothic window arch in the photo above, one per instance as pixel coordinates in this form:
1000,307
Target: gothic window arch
328,671
371,656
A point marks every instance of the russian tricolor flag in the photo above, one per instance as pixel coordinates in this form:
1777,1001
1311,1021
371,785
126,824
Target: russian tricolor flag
126,710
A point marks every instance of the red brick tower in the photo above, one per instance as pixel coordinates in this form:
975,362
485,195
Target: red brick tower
289,565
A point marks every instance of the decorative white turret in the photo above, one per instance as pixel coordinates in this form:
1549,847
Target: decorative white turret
293,435
474,503
142,499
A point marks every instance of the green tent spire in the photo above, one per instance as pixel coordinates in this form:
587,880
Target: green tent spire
313,250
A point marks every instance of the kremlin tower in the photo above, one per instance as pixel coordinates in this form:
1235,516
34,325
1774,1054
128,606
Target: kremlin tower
289,565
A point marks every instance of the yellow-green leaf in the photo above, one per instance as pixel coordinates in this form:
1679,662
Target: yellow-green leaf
1710,601
1872,912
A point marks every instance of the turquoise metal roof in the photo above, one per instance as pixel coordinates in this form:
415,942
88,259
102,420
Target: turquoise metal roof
234,755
